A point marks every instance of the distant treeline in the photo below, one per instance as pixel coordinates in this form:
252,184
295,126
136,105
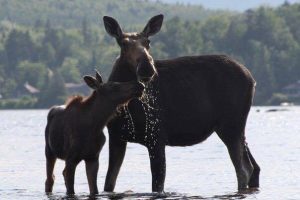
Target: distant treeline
68,14
43,50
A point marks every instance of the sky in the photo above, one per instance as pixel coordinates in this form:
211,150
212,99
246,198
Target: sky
238,5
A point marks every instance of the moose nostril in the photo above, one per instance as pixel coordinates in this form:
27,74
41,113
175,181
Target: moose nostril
144,79
145,69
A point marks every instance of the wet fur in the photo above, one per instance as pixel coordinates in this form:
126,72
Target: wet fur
195,96
198,95
74,132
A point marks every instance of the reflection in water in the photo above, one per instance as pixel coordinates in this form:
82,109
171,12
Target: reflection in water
238,195
146,196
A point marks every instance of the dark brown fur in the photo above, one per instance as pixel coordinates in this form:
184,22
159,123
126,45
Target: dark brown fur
194,97
74,132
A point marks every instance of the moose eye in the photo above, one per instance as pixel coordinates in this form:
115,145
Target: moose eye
147,44
124,43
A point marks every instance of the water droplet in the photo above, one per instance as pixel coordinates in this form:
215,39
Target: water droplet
151,108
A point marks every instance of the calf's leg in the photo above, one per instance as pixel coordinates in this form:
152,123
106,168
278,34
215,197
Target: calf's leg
69,174
117,149
50,163
92,167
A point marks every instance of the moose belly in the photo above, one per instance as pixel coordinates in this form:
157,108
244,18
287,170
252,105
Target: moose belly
183,130
189,111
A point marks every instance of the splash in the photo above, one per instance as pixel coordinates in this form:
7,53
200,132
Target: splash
152,114
128,125
150,105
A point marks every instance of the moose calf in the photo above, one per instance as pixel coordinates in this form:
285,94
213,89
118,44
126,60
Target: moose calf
74,132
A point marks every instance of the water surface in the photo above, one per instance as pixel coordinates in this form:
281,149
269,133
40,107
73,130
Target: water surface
201,171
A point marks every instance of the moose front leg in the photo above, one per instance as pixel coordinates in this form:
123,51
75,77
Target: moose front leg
158,167
117,149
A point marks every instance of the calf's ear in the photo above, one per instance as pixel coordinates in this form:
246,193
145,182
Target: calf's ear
153,26
91,82
98,77
112,27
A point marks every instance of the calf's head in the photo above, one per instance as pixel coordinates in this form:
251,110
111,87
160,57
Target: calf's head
135,46
115,93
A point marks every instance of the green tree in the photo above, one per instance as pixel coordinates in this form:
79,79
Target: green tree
291,15
261,70
8,87
47,55
213,32
33,73
171,35
19,46
54,92
86,31
69,71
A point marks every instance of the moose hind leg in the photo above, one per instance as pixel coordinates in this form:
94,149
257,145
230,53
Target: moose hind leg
254,179
50,163
239,157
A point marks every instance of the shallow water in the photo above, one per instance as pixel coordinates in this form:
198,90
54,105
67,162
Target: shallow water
202,171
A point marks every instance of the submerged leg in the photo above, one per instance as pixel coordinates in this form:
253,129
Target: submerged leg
69,174
254,179
50,163
117,149
92,167
242,164
235,144
158,167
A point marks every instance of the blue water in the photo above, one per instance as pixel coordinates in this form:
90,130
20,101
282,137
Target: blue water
203,171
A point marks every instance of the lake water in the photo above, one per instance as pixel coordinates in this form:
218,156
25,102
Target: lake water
203,171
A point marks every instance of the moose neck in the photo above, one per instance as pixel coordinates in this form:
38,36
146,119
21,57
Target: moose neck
101,111
122,71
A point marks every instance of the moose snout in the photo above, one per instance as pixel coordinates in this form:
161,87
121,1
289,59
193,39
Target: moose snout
144,79
145,70
145,73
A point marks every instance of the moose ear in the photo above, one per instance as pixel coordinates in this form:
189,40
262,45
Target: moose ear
112,27
91,82
153,26
98,77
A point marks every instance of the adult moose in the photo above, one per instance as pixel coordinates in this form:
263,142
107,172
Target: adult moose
75,132
192,97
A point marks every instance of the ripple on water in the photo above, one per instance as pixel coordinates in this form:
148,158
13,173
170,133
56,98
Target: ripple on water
202,171
147,196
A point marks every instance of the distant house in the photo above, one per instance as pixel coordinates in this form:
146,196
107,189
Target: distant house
71,89
29,89
292,90
77,88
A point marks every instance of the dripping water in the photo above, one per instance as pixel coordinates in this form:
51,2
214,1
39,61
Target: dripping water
129,125
151,109
152,118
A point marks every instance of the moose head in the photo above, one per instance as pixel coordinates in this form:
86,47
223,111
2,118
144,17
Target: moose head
135,46
114,92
